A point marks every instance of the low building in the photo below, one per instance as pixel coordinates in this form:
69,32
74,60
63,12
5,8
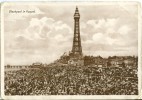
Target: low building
117,63
37,64
76,62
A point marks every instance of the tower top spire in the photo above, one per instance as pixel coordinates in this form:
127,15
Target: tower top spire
76,15
76,8
76,11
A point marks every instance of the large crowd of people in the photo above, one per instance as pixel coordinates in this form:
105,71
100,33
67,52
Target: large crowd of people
72,80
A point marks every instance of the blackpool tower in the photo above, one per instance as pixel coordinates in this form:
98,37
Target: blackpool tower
76,48
76,56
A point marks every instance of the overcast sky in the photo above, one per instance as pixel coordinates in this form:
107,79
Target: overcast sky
43,36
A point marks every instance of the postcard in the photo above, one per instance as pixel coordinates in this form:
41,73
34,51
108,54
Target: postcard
71,50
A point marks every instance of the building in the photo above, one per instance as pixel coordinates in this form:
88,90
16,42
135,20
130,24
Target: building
37,65
97,61
122,61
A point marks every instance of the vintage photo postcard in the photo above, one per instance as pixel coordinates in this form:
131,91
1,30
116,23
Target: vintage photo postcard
71,50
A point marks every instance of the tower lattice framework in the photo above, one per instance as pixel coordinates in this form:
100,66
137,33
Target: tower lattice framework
77,49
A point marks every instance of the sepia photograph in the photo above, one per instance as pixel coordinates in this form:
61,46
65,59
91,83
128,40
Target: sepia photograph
74,49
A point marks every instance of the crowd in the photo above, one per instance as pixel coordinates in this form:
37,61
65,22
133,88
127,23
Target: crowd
72,80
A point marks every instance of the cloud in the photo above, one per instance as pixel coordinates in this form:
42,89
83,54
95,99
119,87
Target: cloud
40,38
103,39
110,37
108,30
124,30
45,27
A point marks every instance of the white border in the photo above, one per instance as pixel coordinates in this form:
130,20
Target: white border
74,96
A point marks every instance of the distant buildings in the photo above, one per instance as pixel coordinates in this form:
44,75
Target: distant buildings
95,61
16,67
19,67
123,61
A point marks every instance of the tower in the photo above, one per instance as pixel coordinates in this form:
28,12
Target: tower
76,48
76,57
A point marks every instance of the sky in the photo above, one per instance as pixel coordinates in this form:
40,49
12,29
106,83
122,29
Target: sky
43,36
